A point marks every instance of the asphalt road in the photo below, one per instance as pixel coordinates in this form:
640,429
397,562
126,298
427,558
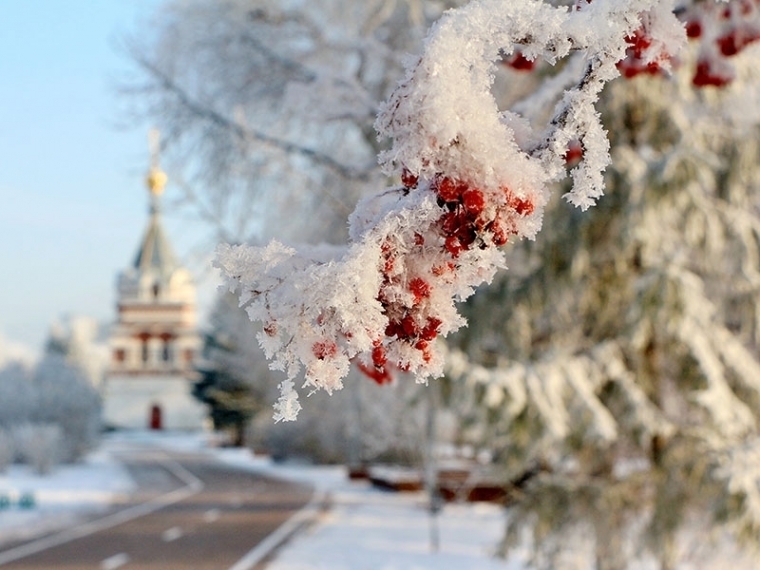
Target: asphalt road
191,512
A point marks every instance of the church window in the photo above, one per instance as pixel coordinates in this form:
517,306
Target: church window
145,351
119,355
156,290
166,351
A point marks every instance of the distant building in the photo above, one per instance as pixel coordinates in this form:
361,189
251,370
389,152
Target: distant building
155,342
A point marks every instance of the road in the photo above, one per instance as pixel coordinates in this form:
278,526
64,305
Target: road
191,512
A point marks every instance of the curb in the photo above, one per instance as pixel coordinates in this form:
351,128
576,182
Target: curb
256,558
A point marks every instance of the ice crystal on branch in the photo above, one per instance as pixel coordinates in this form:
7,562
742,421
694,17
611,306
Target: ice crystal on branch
474,177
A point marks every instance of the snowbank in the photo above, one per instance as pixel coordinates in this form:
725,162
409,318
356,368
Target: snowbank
61,498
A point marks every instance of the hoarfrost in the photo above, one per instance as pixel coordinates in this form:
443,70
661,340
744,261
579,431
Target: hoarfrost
473,178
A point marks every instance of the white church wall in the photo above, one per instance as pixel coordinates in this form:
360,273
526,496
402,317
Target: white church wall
128,403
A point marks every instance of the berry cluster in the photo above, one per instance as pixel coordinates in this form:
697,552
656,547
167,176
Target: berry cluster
731,28
470,218
636,61
723,31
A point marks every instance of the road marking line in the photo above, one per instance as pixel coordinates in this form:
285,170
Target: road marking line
115,561
193,486
211,515
266,546
171,534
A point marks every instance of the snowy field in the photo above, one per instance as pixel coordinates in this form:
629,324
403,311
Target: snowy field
362,528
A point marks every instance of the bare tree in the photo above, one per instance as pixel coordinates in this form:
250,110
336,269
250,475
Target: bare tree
266,108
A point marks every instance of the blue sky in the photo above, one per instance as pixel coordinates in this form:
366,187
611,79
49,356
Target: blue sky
73,203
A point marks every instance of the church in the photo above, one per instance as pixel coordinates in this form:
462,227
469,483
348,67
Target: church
154,343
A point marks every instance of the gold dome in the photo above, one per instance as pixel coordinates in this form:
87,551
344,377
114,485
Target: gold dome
156,181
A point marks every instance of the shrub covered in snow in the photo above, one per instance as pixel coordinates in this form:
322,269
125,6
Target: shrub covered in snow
52,405
7,450
38,445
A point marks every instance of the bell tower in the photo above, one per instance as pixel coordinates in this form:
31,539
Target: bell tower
154,342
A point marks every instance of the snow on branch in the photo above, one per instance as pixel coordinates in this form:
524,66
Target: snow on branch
473,178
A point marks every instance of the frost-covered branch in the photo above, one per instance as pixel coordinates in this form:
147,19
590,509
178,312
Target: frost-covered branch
473,178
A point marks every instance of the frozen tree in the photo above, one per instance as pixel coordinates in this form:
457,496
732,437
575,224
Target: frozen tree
18,398
234,380
7,450
14,352
38,445
616,362
80,341
67,400
53,393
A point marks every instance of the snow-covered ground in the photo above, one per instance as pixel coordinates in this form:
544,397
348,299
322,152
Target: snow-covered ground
362,529
61,498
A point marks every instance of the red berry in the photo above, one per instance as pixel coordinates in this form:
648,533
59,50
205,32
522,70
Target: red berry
410,326
379,357
378,374
500,234
466,234
474,201
639,42
324,349
736,41
450,223
524,207
439,270
728,44
500,237
693,29
706,76
521,63
453,246
449,190
393,329
574,152
408,179
430,331
420,288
